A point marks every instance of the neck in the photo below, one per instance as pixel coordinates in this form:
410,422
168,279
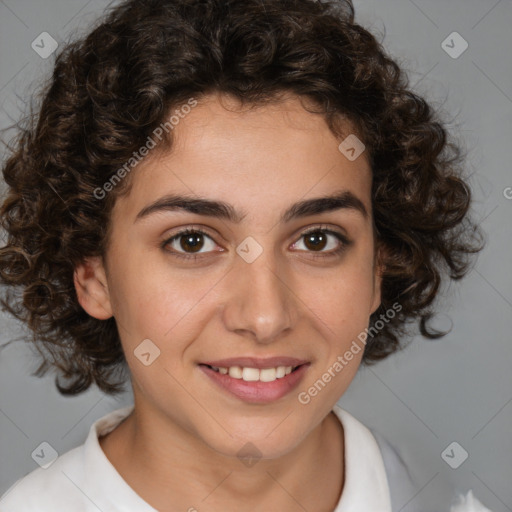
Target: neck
180,472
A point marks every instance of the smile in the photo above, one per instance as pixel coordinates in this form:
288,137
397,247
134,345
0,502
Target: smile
256,385
254,374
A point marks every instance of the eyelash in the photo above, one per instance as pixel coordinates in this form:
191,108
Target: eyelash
345,242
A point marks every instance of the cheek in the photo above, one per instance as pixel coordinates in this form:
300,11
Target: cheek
342,299
157,301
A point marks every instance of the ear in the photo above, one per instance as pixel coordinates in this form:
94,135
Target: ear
377,279
92,289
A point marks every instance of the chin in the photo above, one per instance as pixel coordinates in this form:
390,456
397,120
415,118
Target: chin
271,443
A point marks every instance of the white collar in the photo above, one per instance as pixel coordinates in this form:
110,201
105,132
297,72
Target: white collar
105,486
366,485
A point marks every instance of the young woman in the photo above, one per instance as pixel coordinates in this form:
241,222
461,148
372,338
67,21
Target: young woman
238,203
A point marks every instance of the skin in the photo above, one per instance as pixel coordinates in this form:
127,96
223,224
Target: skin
178,449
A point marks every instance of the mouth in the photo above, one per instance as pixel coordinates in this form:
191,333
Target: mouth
256,381
250,374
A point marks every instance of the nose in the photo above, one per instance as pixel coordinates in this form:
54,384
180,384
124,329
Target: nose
260,303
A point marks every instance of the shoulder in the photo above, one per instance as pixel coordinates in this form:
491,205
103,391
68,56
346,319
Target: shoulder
402,485
75,481
53,488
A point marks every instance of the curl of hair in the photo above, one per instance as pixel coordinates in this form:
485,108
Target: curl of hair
111,89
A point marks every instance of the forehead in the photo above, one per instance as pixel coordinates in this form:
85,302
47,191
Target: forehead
271,154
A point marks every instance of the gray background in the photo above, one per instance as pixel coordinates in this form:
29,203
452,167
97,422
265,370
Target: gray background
435,392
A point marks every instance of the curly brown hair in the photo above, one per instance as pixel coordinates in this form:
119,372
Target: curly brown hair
111,89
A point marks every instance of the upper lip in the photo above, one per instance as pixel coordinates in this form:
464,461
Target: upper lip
255,362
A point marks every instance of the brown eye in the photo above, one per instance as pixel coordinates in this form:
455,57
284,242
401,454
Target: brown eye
189,242
316,241
325,242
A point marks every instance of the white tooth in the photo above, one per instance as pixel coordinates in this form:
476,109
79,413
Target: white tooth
288,370
280,372
224,371
251,374
268,375
235,372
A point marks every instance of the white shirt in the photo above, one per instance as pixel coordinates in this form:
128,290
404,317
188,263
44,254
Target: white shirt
84,480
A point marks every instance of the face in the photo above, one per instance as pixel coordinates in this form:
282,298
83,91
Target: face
269,287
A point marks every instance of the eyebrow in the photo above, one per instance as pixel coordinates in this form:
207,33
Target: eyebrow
221,210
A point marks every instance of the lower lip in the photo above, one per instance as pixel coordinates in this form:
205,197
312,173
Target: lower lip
257,392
